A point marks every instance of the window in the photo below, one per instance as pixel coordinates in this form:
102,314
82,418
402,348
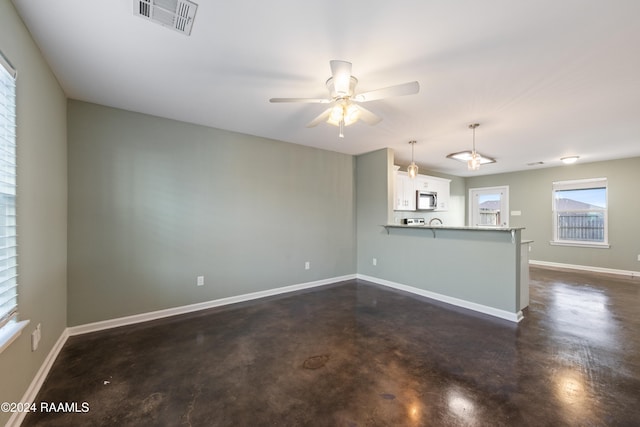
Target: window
489,207
580,213
9,326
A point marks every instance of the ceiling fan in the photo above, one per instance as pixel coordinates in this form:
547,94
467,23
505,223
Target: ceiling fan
344,104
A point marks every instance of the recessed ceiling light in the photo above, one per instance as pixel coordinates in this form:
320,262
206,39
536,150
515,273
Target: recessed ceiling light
465,156
535,163
569,160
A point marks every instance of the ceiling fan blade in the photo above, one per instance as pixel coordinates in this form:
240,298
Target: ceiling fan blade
321,118
302,100
368,117
341,74
387,92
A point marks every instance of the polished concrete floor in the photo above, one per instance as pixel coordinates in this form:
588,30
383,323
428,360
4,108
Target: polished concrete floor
356,354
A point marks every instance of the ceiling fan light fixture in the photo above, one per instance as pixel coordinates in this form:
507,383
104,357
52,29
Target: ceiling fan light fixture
344,109
336,115
343,114
351,114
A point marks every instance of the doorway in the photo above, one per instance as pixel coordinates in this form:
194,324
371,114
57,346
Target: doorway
489,207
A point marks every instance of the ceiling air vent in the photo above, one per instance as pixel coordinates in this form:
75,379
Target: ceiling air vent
175,14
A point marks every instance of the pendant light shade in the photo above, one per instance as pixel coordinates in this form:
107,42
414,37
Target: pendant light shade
413,168
473,164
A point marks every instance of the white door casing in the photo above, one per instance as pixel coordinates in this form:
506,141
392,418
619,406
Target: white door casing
489,207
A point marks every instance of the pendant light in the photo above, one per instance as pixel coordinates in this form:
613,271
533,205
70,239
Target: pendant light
472,158
413,168
474,162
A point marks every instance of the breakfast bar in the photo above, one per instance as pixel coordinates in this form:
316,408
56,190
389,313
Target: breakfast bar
479,268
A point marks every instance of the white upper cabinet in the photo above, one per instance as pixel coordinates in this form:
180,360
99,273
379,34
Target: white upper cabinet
423,183
441,186
405,191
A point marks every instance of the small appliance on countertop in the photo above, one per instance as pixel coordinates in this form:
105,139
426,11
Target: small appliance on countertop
413,221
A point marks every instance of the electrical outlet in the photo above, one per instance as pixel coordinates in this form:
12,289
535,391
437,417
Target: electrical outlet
307,265
375,261
200,281
639,257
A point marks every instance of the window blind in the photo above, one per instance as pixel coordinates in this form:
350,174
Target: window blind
580,184
8,235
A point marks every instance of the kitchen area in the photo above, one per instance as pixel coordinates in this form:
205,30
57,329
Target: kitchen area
422,245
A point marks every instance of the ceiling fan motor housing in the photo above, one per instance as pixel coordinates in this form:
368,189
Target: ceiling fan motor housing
332,89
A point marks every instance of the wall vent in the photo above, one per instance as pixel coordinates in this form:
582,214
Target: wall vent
175,14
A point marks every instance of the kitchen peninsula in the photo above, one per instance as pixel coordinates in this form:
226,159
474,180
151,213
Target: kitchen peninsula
473,267
477,268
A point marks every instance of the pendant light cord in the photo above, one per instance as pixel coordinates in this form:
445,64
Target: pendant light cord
473,127
474,139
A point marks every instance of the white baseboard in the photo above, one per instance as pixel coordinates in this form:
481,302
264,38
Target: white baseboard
159,314
630,273
32,392
503,314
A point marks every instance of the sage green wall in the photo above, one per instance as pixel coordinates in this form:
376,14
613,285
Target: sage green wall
41,206
153,203
414,258
374,201
530,192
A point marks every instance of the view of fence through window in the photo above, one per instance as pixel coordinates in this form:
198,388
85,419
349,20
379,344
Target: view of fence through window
489,205
587,227
581,214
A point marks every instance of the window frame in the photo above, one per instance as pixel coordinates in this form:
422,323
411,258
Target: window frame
580,184
11,326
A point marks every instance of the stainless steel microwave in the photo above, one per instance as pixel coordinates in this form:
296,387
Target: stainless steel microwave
426,200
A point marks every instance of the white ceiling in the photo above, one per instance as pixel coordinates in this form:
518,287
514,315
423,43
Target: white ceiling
545,78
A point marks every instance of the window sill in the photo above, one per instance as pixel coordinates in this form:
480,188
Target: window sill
9,333
581,244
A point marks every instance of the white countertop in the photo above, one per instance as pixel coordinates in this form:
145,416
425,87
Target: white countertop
448,227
